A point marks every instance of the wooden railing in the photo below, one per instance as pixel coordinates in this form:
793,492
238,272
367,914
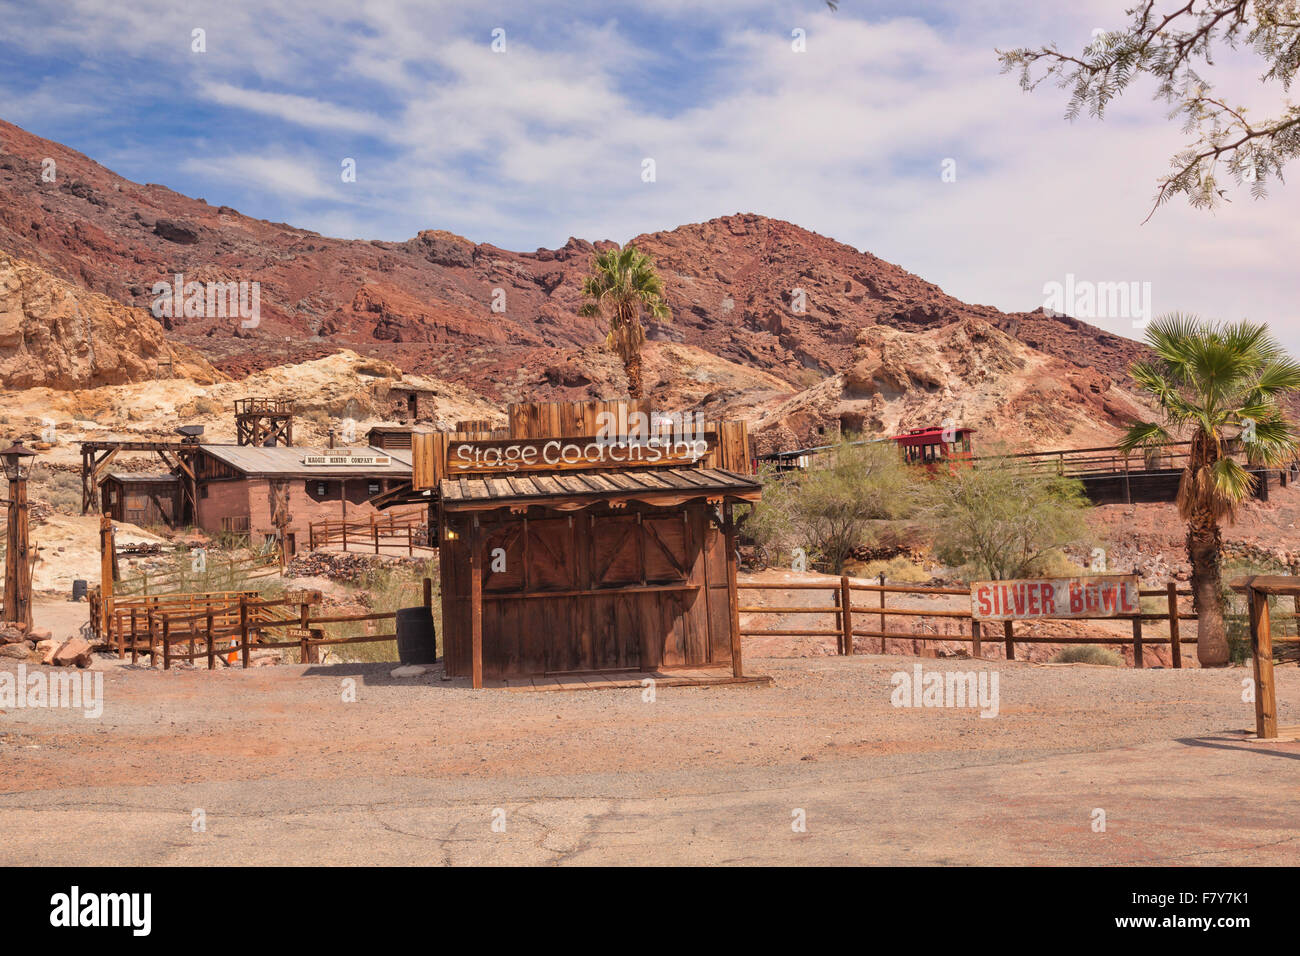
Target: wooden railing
848,614
407,530
218,626
176,580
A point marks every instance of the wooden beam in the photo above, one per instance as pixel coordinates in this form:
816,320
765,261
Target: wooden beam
729,527
1175,647
476,603
1261,647
107,554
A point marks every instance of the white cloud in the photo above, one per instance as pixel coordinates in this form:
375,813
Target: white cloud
545,141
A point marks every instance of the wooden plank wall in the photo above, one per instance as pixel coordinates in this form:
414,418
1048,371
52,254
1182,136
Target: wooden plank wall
624,625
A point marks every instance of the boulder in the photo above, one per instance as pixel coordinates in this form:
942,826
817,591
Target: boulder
73,651
11,634
39,634
20,651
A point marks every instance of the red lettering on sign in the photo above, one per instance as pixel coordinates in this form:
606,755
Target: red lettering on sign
982,596
1049,598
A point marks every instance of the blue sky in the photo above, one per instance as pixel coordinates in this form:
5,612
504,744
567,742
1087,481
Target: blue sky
547,139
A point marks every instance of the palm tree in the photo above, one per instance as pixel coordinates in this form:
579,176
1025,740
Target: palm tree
1222,386
622,284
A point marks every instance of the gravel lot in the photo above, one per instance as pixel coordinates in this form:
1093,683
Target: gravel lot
416,770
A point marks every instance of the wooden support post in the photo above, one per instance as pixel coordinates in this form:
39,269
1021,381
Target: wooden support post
1175,642
476,604
839,621
883,650
212,642
846,603
428,592
107,549
243,626
304,632
167,643
1261,649
1137,640
1008,636
733,602
153,640
977,648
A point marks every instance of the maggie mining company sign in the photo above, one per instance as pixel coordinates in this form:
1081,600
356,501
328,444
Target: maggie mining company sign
1100,595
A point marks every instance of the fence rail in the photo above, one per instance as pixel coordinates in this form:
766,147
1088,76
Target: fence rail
847,613
406,530
225,627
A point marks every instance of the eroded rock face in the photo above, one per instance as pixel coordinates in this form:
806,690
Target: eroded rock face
56,335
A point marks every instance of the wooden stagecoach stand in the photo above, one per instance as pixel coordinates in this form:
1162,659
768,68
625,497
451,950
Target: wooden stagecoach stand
585,537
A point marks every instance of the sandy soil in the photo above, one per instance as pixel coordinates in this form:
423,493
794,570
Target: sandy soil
287,770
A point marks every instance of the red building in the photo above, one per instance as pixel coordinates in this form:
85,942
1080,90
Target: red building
247,490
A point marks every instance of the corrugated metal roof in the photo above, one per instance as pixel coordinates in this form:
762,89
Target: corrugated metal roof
288,460
636,484
125,476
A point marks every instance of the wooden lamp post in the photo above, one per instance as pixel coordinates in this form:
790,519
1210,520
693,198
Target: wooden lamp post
18,570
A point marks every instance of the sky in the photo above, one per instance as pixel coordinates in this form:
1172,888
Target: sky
522,124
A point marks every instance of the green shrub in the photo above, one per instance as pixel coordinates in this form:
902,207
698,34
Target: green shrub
1087,654
1003,520
835,506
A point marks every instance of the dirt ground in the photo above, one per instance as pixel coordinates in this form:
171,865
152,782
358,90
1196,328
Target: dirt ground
281,767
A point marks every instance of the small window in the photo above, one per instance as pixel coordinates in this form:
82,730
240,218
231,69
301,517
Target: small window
203,492
372,488
322,487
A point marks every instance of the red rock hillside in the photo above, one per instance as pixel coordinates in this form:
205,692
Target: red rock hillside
425,304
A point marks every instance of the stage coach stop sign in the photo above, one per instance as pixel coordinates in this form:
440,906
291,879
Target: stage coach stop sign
1028,599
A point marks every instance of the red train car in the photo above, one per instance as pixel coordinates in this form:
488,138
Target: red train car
930,446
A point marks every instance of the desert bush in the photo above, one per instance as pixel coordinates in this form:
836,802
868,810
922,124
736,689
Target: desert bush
897,570
833,507
63,491
1087,654
1003,521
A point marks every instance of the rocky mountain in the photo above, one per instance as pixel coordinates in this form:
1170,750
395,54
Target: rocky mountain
762,310
56,335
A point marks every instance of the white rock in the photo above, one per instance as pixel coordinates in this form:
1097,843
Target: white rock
408,670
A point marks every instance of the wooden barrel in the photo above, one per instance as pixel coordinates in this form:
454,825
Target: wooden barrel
417,643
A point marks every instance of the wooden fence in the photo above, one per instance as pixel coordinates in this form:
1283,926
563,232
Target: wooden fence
178,580
849,616
216,626
406,530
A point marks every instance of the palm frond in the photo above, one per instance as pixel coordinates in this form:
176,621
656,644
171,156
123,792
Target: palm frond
1144,435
